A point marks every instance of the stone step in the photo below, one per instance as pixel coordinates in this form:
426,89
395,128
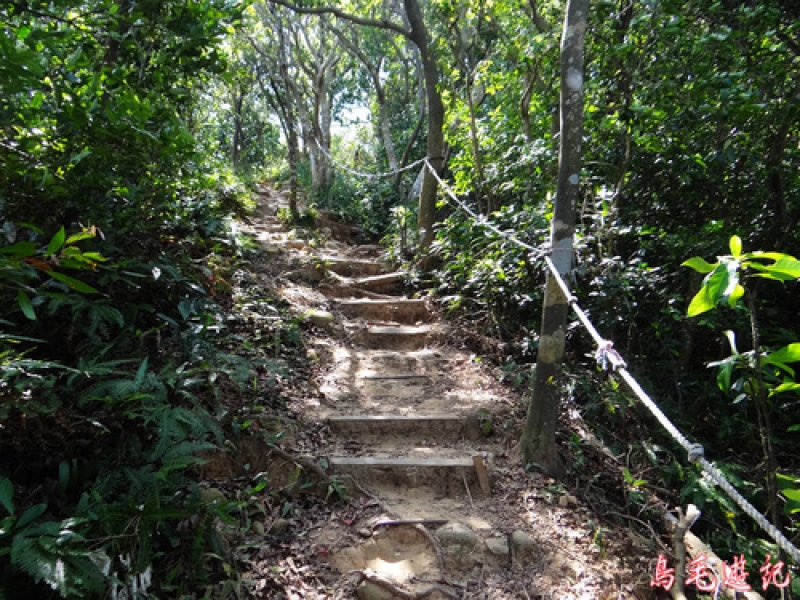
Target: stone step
408,427
351,267
396,337
384,284
450,476
270,227
399,310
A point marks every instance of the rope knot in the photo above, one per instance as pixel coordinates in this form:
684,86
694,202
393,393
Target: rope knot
696,452
607,357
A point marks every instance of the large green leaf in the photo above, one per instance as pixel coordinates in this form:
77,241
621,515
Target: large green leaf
787,354
25,305
7,495
73,283
702,302
20,249
57,241
698,264
736,246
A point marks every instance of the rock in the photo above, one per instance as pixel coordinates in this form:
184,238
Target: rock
372,591
278,527
321,318
524,544
212,496
498,546
457,534
567,501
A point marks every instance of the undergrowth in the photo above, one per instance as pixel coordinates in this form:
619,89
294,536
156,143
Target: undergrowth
118,375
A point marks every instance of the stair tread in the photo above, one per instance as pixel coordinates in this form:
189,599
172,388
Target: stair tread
401,418
402,461
380,301
399,329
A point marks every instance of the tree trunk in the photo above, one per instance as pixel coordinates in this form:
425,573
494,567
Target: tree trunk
238,133
418,127
538,442
435,143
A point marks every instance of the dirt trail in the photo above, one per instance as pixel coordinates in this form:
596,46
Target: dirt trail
416,420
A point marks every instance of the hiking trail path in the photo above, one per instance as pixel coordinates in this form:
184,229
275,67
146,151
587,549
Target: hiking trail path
416,419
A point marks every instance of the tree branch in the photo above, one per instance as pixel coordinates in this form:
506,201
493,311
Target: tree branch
327,10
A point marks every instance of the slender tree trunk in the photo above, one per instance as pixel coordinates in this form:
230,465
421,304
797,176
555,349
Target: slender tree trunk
435,142
485,197
238,134
538,443
294,157
423,112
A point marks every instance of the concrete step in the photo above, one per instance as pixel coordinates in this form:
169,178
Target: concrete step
407,427
395,337
351,267
399,310
450,476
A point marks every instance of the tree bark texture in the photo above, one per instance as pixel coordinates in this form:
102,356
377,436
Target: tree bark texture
538,442
435,142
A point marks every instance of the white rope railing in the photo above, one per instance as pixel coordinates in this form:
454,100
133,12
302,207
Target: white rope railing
384,175
610,358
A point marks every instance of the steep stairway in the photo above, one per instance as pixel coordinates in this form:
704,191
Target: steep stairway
406,410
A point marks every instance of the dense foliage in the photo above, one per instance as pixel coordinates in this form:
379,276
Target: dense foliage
117,263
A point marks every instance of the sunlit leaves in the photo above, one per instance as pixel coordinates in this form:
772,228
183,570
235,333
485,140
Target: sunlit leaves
722,282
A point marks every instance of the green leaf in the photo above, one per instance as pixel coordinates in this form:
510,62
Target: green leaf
702,302
73,283
20,249
57,242
76,237
698,264
735,295
789,386
7,495
788,267
30,515
25,305
141,372
736,246
718,285
787,354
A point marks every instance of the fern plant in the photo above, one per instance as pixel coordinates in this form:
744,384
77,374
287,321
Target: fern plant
52,552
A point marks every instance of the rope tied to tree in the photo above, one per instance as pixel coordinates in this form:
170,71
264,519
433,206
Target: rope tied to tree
608,357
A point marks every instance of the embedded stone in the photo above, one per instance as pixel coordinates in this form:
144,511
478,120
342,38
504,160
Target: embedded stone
321,318
212,496
457,534
498,546
524,544
368,590
258,528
